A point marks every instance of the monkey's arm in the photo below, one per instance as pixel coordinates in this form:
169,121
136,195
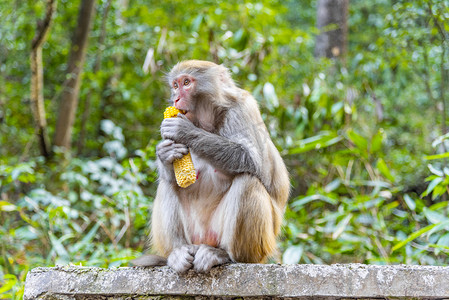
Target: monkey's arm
235,154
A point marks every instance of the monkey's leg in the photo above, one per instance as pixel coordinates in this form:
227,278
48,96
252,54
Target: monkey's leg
207,257
167,230
247,218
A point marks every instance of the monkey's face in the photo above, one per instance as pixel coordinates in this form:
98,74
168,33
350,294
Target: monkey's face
183,88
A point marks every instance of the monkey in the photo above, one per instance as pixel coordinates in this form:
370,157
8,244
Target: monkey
234,210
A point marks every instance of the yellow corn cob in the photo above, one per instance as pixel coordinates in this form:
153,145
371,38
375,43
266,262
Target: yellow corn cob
184,170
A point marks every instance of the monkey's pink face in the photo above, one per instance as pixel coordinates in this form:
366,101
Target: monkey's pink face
183,87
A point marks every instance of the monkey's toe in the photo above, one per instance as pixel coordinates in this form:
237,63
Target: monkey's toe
207,257
180,259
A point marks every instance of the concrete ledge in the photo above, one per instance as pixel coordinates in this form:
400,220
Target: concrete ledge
349,281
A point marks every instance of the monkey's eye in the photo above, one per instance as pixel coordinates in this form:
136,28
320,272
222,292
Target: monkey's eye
175,84
186,81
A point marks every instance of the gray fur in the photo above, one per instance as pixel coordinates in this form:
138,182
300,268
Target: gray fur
167,151
149,260
234,151
237,202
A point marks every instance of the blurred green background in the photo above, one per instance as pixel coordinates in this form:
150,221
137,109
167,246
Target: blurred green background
364,134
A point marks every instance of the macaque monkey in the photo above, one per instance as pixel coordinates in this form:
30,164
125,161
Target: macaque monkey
233,212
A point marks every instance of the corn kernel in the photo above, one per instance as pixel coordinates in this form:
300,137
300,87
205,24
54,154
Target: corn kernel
184,170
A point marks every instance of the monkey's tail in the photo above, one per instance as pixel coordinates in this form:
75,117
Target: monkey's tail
149,260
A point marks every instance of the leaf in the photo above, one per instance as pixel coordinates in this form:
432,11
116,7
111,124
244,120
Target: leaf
292,255
412,236
107,126
334,184
433,217
322,140
270,95
444,240
435,170
432,185
443,225
57,246
6,206
240,39
376,142
383,169
302,201
87,239
358,140
9,281
197,23
410,202
341,226
437,156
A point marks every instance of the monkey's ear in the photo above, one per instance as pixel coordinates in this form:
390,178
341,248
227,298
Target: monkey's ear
224,76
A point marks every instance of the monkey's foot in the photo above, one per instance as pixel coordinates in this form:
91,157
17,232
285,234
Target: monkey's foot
207,257
181,259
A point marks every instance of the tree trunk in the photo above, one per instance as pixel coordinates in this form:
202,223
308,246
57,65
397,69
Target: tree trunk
97,65
69,97
37,78
332,21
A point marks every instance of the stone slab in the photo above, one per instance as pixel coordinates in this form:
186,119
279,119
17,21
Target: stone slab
252,281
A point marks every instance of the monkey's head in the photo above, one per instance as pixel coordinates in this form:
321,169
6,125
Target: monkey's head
198,86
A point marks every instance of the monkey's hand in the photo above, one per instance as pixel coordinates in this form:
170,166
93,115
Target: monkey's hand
167,151
207,257
177,129
181,259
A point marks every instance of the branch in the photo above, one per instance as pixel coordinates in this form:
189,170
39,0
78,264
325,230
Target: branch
44,25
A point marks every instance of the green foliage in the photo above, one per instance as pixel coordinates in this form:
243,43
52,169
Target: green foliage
88,211
364,137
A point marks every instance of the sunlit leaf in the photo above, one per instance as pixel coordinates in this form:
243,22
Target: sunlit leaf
298,204
9,281
292,255
410,202
332,185
358,140
341,226
444,240
58,246
437,156
432,185
6,206
384,170
412,236
435,170
433,216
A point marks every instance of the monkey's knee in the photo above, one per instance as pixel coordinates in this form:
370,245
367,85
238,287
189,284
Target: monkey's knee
254,236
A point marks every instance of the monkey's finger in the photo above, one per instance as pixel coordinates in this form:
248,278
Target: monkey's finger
178,155
181,148
168,133
167,142
164,146
170,122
